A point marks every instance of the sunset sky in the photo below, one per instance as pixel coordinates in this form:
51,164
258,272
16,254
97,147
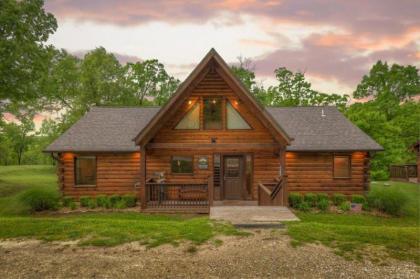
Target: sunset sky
333,42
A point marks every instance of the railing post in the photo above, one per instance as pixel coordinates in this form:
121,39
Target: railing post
210,189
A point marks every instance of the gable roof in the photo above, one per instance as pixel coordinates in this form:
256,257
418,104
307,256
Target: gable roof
313,132
191,81
106,129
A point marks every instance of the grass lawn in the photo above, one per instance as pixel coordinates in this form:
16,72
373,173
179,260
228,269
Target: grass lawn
98,229
351,235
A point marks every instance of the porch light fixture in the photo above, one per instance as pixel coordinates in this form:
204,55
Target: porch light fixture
189,102
214,101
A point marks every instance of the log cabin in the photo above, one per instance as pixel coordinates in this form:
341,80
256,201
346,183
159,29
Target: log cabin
211,144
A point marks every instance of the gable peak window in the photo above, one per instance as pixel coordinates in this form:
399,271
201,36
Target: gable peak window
191,120
212,113
234,120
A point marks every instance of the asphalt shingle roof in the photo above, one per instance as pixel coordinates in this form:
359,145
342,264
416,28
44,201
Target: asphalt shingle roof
105,129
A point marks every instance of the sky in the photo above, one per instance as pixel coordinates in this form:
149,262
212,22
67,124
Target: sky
333,42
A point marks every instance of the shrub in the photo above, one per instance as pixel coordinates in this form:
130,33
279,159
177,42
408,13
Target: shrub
67,201
338,199
304,206
130,200
121,204
388,200
380,175
323,205
84,201
358,199
103,201
310,198
39,200
321,196
114,199
92,203
345,206
295,199
73,205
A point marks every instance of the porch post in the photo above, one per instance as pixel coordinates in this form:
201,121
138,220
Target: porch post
143,189
210,189
283,166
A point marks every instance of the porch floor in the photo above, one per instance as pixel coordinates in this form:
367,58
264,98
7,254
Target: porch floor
252,215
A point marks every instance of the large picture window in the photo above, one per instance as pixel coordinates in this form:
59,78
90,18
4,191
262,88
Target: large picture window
212,114
85,170
182,164
342,166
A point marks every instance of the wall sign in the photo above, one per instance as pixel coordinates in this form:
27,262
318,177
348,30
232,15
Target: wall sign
203,162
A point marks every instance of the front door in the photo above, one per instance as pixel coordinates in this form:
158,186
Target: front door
233,169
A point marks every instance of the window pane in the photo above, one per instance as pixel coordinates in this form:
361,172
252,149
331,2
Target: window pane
212,113
341,166
234,119
191,120
182,164
85,170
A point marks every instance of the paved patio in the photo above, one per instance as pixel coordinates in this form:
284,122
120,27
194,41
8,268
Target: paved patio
252,215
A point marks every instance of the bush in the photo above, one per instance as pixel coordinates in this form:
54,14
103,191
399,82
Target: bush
358,199
323,205
304,206
338,199
84,201
310,198
295,199
321,196
114,199
380,175
39,200
73,205
345,206
103,201
388,200
130,200
121,204
92,203
66,201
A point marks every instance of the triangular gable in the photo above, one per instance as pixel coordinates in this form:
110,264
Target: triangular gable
214,61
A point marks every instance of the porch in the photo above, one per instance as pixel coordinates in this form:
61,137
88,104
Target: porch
199,197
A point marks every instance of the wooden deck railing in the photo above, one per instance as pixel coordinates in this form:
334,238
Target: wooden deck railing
273,193
403,172
197,197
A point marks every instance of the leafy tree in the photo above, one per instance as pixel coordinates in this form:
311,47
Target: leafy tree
24,29
19,134
148,81
384,82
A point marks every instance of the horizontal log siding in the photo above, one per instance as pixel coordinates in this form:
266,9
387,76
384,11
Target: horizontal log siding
313,172
214,85
266,168
116,174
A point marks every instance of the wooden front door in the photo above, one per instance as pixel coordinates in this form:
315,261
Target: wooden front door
233,182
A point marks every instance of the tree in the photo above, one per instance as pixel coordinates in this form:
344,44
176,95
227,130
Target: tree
24,29
19,134
384,82
294,90
148,80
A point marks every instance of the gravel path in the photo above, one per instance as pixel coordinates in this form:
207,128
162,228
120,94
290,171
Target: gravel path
266,254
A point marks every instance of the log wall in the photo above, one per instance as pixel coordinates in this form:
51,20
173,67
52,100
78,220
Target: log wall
313,172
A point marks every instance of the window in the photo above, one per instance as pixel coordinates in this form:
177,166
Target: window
182,164
234,119
212,114
85,170
342,166
191,120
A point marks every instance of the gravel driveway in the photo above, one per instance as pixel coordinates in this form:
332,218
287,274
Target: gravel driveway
266,254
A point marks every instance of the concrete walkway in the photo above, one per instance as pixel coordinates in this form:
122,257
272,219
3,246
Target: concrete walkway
252,215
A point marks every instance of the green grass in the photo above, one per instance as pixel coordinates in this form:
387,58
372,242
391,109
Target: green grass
14,180
100,229
352,235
